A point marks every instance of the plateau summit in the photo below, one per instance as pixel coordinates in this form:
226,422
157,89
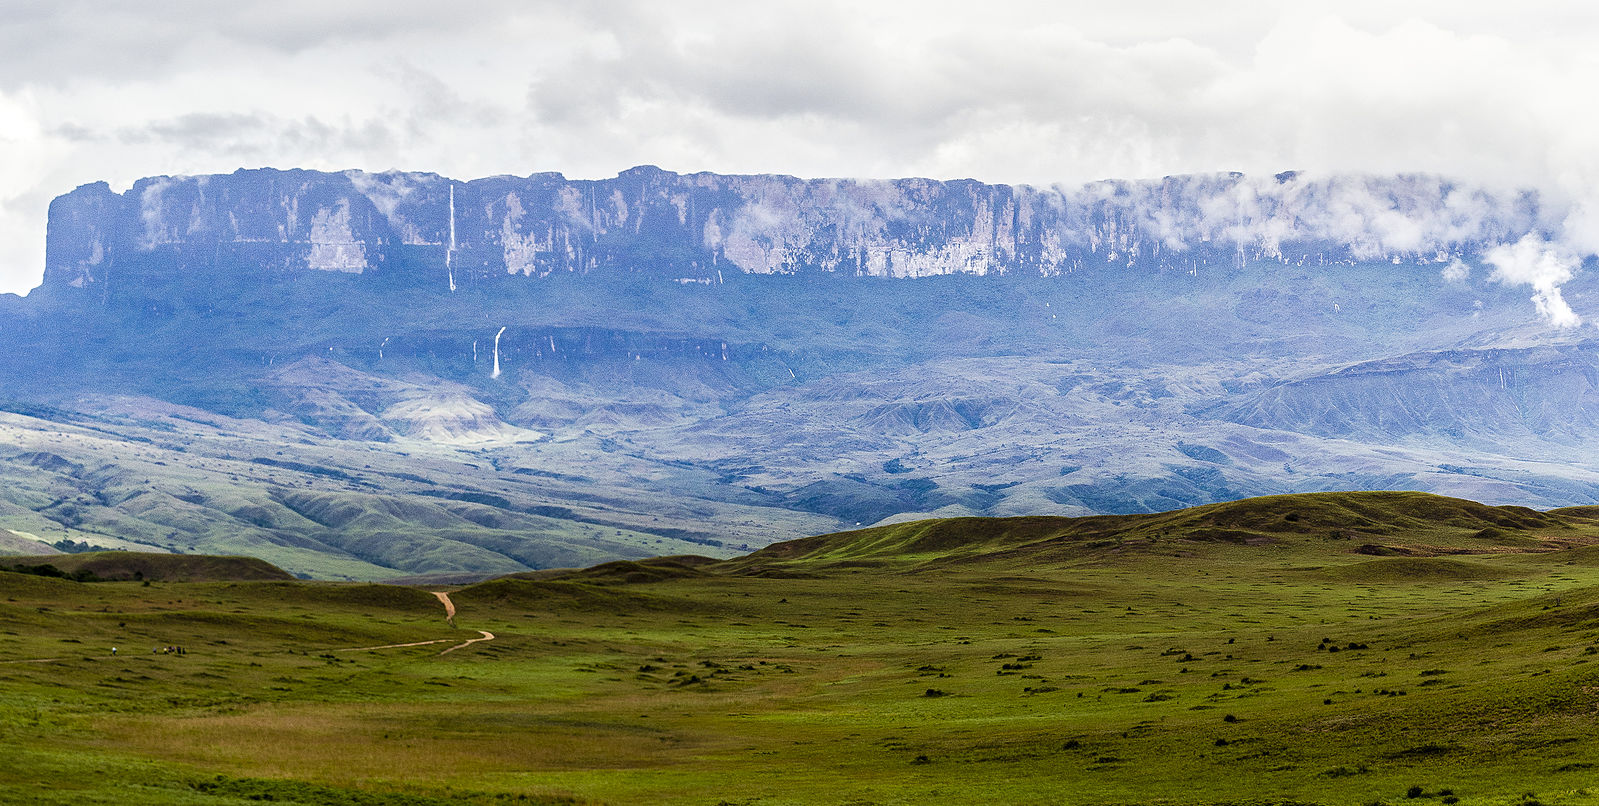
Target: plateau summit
647,219
374,375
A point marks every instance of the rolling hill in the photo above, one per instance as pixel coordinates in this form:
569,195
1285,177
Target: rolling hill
1216,655
1309,524
141,566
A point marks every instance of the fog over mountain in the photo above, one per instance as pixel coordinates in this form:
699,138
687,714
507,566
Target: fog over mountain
369,375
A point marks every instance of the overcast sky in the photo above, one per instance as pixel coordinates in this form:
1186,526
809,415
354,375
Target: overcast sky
1030,92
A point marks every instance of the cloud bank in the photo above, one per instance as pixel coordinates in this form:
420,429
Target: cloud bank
1023,92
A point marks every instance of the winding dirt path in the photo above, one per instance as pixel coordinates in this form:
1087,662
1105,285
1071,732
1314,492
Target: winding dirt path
449,616
393,646
487,636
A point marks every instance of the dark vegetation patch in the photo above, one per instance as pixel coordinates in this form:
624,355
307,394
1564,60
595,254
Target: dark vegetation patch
138,565
1203,453
302,467
471,496
49,570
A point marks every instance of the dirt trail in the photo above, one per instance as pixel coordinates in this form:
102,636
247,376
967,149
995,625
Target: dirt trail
449,616
449,606
487,636
393,646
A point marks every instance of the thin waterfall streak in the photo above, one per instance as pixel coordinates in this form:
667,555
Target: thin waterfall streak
496,372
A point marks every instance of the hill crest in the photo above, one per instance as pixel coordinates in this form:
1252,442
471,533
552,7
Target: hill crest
1379,523
116,566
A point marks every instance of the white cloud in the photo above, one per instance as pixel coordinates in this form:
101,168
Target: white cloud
1010,91
1534,262
1456,271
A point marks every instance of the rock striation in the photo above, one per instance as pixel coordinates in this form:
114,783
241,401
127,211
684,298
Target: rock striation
438,232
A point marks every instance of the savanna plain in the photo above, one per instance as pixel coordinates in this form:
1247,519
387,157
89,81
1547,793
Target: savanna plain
1320,648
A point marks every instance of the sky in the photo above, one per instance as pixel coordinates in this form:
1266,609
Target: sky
1001,91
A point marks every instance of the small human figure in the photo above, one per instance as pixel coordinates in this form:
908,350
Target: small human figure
113,651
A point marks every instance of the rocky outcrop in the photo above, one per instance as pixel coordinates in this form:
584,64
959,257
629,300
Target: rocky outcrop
439,232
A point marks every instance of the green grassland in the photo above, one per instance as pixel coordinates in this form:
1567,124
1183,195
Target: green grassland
1327,648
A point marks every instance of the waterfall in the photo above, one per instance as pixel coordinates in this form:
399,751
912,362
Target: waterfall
449,251
496,372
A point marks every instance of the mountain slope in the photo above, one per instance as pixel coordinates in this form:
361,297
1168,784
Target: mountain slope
660,363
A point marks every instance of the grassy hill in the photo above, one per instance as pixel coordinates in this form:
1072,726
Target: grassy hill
140,565
1311,524
1376,648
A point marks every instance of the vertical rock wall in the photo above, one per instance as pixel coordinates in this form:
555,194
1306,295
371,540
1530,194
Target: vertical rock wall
693,227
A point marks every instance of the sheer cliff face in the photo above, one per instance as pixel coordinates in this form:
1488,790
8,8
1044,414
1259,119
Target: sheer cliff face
691,227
